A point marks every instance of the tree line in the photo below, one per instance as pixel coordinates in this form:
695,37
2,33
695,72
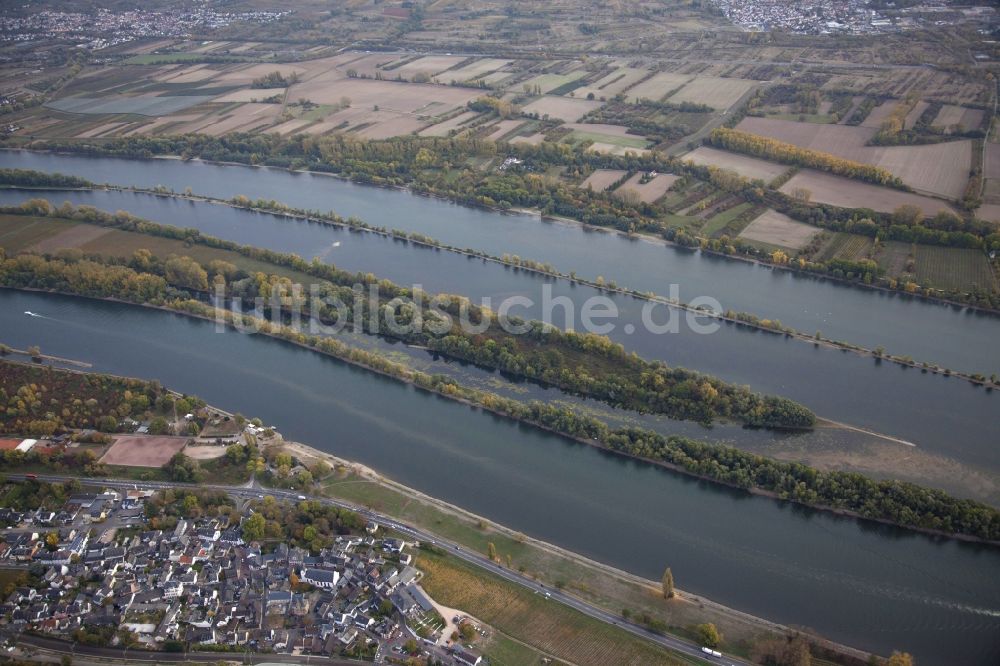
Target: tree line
894,501
788,153
584,364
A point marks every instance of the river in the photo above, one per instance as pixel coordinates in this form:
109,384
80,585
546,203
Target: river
867,585
952,420
900,324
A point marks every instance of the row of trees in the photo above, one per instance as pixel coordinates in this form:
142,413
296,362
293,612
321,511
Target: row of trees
788,153
894,501
581,363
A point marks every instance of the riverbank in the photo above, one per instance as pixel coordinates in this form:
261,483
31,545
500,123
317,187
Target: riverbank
592,581
923,295
740,319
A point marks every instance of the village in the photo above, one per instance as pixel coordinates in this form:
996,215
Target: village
98,576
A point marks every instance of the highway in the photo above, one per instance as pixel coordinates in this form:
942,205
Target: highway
670,642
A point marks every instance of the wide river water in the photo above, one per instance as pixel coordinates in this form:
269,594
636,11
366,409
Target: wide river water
954,337
954,418
867,585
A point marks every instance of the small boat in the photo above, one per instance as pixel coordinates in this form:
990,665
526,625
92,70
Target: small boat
31,314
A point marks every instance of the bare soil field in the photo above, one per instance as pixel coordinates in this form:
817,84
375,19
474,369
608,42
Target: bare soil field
246,75
616,149
429,65
748,167
652,190
567,109
503,128
442,129
532,140
602,179
914,115
399,126
879,114
776,228
243,118
989,212
206,452
715,92
601,128
290,126
473,70
958,115
941,168
848,193
251,95
657,86
143,450
421,98
72,237
612,84
548,82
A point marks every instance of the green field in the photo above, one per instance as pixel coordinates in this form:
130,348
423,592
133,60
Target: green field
547,82
963,269
551,627
720,221
576,136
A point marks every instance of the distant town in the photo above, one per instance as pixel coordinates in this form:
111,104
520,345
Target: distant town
855,17
104,28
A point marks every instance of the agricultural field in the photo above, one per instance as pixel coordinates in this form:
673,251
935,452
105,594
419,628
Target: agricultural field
143,105
599,181
847,193
657,86
774,228
473,70
895,258
457,123
914,115
880,114
950,116
600,136
648,189
428,65
613,83
989,212
727,222
567,109
20,233
748,167
503,128
841,245
962,269
715,92
552,628
941,169
545,83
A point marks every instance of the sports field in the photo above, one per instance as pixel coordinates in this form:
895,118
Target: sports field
143,450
